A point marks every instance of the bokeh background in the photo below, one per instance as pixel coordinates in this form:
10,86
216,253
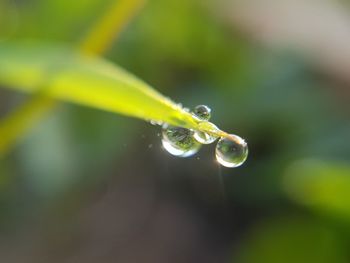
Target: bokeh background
89,186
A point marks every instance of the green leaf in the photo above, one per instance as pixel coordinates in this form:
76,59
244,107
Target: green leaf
61,73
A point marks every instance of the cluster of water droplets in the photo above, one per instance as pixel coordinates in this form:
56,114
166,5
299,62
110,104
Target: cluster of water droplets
231,151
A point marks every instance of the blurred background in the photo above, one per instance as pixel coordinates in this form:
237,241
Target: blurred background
90,186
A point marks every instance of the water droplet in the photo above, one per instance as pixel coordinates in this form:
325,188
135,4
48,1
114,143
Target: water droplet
231,152
203,112
204,137
179,141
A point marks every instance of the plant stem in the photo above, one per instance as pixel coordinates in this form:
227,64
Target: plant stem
108,29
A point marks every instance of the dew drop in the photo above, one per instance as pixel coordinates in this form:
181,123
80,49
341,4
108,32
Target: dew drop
202,112
231,152
204,137
154,122
179,141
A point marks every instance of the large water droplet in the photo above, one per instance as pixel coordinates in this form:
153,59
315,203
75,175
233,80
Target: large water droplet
232,151
204,137
179,141
202,112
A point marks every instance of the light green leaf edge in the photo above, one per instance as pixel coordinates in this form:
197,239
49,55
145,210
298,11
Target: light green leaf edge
64,74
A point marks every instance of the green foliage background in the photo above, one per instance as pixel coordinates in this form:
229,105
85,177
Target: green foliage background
83,182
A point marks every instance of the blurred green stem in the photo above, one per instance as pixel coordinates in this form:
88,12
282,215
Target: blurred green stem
108,29
97,42
18,122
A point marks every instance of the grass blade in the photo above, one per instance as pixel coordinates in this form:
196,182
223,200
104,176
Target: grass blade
63,74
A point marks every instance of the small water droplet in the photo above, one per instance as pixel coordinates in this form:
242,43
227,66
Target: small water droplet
150,146
154,122
204,137
203,112
179,141
231,152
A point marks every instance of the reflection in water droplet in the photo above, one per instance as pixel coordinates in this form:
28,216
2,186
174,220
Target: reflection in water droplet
203,112
179,141
204,137
231,152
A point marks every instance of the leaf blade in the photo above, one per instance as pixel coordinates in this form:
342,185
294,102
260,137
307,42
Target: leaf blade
63,74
